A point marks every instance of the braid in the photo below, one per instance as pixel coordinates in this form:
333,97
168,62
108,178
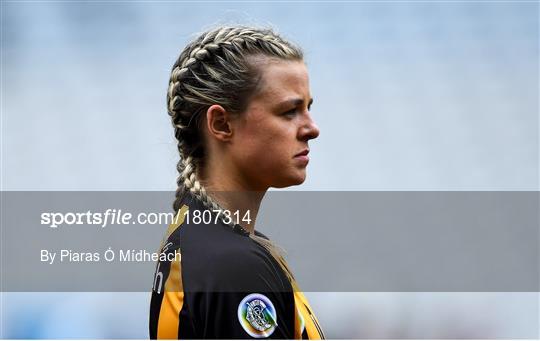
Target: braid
215,69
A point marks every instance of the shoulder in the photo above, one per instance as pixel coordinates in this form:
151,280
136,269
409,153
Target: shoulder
227,261
217,258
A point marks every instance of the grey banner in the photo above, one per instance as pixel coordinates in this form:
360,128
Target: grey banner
335,241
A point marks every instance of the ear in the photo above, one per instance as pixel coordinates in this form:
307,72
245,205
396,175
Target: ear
218,123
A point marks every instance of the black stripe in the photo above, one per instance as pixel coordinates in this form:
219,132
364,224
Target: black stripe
319,330
184,328
157,298
304,334
307,308
155,307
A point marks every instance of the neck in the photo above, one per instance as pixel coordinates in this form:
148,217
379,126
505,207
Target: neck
244,206
233,196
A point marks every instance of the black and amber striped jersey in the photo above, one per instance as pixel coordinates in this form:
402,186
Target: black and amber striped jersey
223,285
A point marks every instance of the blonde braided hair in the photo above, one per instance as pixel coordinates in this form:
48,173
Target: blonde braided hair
216,68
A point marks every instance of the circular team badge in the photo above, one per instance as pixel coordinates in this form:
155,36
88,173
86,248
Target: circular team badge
257,315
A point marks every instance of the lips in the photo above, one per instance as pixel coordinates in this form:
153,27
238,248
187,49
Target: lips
302,153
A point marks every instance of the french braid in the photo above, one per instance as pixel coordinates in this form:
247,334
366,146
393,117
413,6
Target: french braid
216,68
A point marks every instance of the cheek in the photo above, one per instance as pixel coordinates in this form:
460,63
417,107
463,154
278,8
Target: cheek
263,149
260,136
262,152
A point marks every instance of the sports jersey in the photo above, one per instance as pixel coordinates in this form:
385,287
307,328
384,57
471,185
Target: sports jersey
224,285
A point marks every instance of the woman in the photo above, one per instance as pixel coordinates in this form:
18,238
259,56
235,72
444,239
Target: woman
239,101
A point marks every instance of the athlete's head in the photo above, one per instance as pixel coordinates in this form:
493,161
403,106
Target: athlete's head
239,100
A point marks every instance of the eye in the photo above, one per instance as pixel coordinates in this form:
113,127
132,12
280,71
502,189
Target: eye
290,112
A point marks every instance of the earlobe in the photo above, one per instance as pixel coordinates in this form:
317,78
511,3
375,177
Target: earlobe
218,122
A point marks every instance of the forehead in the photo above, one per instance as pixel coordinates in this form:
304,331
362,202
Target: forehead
282,80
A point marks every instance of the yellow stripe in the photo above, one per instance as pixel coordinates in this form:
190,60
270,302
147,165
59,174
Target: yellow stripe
311,323
173,300
178,220
299,323
315,320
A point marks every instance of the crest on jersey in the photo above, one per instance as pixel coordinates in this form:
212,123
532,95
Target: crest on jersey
257,315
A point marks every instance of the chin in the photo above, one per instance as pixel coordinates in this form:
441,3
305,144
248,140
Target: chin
292,181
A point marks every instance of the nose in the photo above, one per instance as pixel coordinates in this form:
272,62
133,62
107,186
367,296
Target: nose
309,130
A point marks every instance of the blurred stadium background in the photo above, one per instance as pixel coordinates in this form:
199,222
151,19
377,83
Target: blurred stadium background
408,95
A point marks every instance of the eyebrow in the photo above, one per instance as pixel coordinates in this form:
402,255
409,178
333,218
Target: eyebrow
295,102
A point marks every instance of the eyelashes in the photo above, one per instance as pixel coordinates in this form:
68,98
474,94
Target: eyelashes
294,110
290,112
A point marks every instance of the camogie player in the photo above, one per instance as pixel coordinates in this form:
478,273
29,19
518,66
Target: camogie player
239,100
